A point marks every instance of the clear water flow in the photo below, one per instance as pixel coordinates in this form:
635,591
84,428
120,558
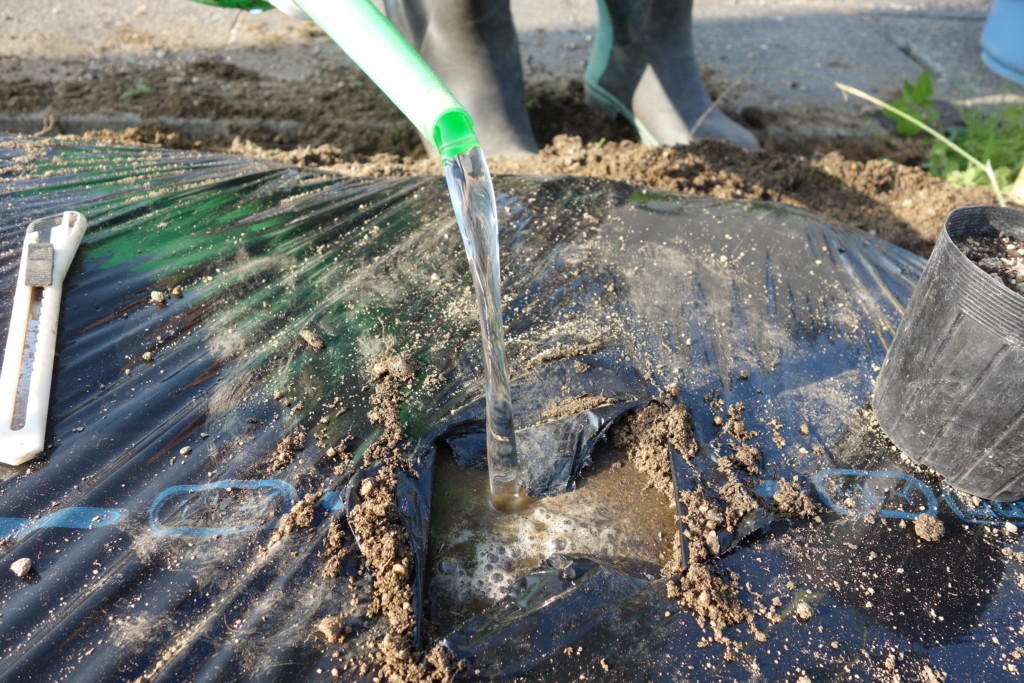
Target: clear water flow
469,183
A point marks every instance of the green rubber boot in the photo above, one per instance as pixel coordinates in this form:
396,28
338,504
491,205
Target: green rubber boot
472,46
642,68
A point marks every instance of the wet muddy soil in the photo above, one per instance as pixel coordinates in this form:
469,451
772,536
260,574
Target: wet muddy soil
478,554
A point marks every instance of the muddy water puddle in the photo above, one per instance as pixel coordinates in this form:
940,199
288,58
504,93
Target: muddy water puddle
477,554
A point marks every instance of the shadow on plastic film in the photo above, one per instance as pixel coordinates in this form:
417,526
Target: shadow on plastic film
872,557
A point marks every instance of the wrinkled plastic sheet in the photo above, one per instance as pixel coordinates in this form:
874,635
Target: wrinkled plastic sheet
150,562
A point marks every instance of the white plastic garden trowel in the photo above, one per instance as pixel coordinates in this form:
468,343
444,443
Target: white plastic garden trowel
50,246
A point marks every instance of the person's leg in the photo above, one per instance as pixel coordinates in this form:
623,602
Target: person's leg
472,46
642,67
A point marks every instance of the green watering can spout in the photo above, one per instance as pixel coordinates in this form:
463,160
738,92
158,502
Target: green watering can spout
453,133
376,46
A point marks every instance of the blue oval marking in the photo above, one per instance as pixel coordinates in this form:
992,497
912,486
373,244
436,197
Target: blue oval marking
888,493
219,508
66,518
332,501
987,512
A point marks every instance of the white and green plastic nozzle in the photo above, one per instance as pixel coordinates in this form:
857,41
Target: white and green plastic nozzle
376,46
50,246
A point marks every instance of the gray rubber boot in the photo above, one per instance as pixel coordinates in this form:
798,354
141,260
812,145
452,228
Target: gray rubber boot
642,67
472,46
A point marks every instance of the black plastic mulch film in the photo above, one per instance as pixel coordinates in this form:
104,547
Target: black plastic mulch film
151,562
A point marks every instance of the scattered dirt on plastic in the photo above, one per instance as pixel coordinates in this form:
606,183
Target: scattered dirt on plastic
576,404
388,556
897,667
790,500
715,508
1002,257
286,449
713,597
389,375
340,454
335,549
710,594
744,457
299,517
561,351
929,527
709,512
738,496
383,540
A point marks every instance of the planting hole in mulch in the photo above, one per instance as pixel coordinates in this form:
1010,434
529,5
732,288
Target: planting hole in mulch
477,554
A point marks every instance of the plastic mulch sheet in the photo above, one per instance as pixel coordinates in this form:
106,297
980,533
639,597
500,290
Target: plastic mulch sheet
152,518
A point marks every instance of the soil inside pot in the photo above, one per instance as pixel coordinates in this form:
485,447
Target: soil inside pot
1002,257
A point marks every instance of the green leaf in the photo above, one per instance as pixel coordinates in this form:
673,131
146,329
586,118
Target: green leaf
908,92
904,127
916,102
139,89
923,89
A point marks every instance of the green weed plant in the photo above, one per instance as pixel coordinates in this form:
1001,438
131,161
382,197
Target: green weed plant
917,103
998,139
986,149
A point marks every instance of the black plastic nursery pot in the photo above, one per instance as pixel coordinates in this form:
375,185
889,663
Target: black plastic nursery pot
949,392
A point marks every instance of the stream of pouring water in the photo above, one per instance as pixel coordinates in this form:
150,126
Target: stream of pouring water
472,194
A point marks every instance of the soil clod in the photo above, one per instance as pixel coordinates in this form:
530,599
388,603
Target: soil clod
286,449
929,527
331,628
22,567
313,339
791,501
